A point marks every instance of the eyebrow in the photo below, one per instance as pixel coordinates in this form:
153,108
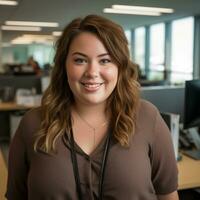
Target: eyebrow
82,54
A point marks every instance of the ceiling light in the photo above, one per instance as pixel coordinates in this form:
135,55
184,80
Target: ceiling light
29,23
142,8
57,33
37,35
6,44
130,12
21,42
8,3
31,38
20,28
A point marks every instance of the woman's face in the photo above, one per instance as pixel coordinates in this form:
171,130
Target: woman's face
92,74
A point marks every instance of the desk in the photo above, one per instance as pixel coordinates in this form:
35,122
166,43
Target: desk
6,109
189,173
12,107
3,177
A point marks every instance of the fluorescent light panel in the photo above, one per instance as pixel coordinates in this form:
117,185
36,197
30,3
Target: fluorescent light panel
30,38
8,3
57,33
130,12
30,23
142,8
6,44
20,28
38,35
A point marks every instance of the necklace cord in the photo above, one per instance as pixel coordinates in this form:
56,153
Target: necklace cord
104,161
91,127
75,167
76,171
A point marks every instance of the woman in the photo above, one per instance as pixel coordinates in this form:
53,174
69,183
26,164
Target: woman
92,138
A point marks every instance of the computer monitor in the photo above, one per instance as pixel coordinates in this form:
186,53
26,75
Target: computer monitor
191,120
192,104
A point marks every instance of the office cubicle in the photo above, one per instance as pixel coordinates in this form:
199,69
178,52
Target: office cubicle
8,86
23,81
166,98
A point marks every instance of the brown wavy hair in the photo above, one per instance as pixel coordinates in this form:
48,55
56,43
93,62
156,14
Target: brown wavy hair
58,98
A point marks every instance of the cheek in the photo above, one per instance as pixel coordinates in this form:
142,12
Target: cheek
111,74
72,74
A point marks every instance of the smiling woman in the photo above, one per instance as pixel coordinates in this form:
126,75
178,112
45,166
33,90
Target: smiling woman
92,138
92,74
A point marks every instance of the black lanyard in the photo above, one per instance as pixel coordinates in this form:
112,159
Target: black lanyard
75,166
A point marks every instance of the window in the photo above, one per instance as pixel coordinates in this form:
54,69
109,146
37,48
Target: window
139,47
182,50
157,51
128,36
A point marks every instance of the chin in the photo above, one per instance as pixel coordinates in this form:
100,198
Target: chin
94,101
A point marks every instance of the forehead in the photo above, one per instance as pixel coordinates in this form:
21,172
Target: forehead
87,42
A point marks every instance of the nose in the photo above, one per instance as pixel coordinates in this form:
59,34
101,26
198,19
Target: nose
92,70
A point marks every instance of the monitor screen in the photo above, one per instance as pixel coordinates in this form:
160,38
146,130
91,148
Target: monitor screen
192,104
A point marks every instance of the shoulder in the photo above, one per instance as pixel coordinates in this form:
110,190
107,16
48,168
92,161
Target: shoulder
147,109
146,117
30,122
32,117
34,113
28,128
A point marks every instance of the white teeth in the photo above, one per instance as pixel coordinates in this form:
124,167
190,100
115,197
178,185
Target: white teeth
91,85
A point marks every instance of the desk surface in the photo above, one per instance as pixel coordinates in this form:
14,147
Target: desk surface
3,176
189,173
12,106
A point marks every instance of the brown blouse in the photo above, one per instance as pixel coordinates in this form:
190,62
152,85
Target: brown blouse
140,172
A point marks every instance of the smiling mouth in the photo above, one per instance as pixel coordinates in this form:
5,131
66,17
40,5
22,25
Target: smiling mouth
92,86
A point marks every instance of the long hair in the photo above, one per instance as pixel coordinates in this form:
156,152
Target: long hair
58,98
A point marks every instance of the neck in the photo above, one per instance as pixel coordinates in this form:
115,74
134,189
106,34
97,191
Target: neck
90,109
93,114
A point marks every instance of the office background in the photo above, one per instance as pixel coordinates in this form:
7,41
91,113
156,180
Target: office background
174,57
165,47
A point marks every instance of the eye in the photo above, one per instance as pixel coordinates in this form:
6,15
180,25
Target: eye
105,60
80,61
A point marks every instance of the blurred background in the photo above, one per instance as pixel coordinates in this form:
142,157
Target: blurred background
165,46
